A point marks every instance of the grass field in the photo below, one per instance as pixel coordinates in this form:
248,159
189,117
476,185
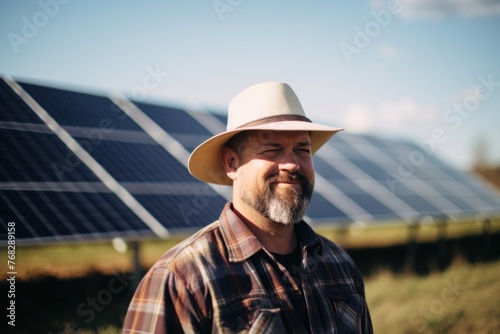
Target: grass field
462,299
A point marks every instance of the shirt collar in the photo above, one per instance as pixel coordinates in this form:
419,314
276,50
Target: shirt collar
307,236
241,243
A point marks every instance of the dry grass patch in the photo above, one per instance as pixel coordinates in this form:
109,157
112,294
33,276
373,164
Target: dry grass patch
463,299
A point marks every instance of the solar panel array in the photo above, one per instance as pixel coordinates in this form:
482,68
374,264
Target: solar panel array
81,167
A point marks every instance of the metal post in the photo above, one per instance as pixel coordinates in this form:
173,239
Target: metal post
486,249
411,258
442,254
136,263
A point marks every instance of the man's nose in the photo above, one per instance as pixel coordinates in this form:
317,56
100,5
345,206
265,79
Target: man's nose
289,163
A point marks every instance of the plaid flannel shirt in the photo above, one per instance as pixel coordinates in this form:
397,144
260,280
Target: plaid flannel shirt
222,280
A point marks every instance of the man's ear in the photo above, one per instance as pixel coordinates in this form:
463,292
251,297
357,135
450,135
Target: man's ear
230,161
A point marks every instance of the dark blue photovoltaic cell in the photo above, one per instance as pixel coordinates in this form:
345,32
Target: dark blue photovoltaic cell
378,142
79,109
370,202
489,200
440,187
420,204
393,156
64,214
481,203
325,169
183,212
190,142
222,118
139,163
31,156
13,108
464,178
479,189
320,208
173,120
462,202
430,162
372,169
347,151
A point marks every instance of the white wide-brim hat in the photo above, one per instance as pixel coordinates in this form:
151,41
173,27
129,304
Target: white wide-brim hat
271,106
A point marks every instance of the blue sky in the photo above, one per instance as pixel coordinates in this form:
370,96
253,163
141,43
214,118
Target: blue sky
423,70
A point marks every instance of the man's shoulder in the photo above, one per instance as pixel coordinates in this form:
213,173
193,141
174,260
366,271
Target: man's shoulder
200,244
330,244
335,252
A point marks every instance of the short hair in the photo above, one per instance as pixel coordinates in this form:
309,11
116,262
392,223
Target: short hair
237,142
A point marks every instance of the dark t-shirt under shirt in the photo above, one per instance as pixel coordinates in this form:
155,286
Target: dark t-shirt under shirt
291,262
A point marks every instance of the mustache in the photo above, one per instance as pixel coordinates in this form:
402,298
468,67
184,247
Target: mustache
288,177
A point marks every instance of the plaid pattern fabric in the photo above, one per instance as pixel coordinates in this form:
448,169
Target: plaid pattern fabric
222,280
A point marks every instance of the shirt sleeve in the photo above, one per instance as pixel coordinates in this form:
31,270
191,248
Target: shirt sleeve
147,308
162,303
185,311
366,322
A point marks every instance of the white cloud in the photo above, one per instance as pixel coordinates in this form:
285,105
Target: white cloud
405,117
358,118
405,109
434,9
387,51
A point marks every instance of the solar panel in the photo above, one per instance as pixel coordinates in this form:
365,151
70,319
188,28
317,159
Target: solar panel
11,102
181,211
40,157
70,108
133,162
58,195
343,182
320,209
172,120
383,167
78,166
58,216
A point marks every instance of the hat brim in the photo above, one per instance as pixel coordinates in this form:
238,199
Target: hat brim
205,162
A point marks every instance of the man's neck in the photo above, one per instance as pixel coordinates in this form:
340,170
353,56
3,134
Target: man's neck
276,238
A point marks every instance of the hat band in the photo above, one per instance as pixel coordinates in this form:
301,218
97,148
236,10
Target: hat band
275,118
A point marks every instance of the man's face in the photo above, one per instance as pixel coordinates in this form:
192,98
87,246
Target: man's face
275,174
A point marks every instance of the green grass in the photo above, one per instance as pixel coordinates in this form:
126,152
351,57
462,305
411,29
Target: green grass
462,299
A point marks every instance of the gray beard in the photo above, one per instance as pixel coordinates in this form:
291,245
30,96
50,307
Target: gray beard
286,210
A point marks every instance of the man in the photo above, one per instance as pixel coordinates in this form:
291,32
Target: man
259,268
